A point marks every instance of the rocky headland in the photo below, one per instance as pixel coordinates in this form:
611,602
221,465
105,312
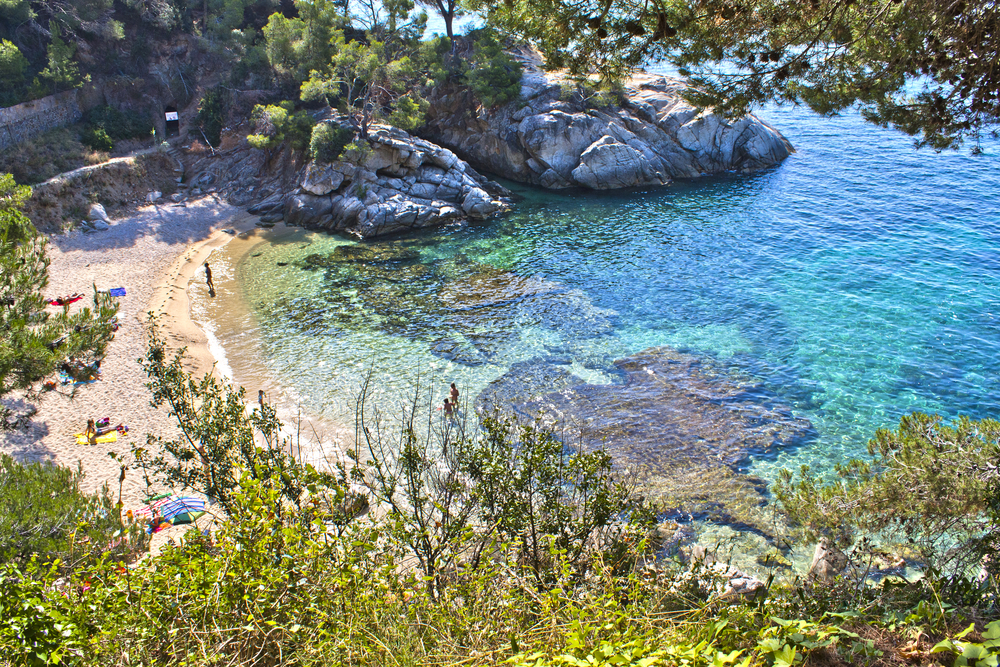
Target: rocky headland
555,136
548,138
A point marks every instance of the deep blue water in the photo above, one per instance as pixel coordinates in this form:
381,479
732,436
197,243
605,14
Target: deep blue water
858,281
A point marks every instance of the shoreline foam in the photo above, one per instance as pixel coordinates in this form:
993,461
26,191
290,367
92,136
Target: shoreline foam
313,438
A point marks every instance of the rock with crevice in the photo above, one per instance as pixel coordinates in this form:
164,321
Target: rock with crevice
555,140
828,562
401,184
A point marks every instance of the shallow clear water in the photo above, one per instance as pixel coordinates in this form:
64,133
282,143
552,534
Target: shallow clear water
857,281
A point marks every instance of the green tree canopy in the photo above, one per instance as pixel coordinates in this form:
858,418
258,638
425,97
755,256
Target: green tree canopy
931,486
33,343
923,66
363,83
449,10
61,70
296,46
12,64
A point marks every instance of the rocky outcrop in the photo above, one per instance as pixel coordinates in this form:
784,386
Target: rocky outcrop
402,184
559,140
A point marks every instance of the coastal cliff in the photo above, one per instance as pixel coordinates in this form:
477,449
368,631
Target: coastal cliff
554,138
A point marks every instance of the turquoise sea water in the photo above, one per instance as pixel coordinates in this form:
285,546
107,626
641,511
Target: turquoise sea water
857,281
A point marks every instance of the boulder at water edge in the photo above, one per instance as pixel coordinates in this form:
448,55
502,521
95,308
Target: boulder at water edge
555,140
402,184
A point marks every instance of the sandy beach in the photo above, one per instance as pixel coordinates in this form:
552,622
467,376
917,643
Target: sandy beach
154,255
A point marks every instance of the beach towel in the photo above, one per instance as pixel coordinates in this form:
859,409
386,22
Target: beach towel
81,439
117,291
65,300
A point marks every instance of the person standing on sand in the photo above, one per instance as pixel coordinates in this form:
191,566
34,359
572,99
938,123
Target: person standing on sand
208,279
260,397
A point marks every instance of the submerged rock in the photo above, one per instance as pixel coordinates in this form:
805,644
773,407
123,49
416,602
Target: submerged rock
555,140
490,287
678,422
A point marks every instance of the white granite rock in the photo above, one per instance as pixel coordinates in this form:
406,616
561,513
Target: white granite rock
402,183
320,179
654,137
97,212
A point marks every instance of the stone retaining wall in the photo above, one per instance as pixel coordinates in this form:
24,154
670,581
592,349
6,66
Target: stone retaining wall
29,119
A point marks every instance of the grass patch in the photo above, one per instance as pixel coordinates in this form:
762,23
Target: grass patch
48,155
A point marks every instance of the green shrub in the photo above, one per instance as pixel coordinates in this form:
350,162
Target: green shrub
220,440
96,138
410,112
928,485
38,626
252,70
591,95
212,115
277,123
44,514
441,63
495,77
328,141
538,494
117,124
12,64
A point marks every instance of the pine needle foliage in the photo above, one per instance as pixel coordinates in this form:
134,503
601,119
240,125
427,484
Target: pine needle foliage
929,486
33,341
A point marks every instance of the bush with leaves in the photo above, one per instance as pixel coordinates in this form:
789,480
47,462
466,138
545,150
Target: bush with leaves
220,440
97,139
61,70
457,493
328,141
275,124
40,626
439,60
297,46
928,487
366,83
118,124
12,67
414,473
212,115
537,491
